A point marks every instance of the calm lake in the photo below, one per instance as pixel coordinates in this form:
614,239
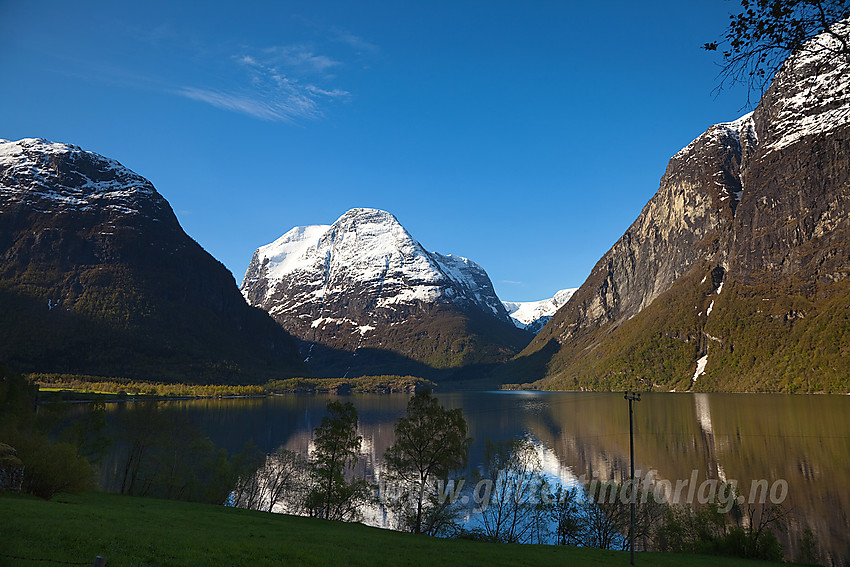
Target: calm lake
801,440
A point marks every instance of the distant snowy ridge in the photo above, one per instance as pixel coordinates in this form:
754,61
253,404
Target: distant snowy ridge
532,315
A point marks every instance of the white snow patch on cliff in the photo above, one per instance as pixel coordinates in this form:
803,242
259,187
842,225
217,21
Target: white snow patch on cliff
700,368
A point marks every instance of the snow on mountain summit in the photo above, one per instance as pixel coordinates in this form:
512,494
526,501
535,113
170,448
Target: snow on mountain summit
367,246
100,278
365,297
811,93
53,176
532,315
289,252
358,270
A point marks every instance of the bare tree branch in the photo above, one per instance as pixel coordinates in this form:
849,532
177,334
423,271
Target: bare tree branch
766,33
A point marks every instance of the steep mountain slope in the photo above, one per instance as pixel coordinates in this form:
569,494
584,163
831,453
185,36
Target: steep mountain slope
97,277
734,276
532,315
366,298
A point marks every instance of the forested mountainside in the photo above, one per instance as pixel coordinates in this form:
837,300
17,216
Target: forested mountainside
97,277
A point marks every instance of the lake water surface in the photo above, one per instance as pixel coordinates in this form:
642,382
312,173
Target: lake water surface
801,440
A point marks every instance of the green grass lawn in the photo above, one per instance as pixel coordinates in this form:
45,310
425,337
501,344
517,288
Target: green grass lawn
139,531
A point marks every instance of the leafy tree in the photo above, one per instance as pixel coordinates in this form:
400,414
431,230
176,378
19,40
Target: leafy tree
140,425
247,469
431,442
18,397
599,516
710,530
279,480
283,477
606,516
767,32
514,473
808,545
186,465
336,449
565,513
540,513
88,433
165,455
49,468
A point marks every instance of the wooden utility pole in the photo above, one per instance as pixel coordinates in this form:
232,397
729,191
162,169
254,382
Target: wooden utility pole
632,397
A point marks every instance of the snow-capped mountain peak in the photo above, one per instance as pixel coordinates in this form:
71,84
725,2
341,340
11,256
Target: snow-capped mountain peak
50,176
532,315
120,288
360,270
809,94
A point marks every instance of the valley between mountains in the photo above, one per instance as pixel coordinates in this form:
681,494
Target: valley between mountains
733,277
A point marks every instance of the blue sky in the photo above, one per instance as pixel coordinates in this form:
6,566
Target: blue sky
526,136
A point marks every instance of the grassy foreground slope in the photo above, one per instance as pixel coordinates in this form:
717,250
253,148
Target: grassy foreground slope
138,531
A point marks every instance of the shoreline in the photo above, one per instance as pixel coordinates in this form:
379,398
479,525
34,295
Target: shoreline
80,388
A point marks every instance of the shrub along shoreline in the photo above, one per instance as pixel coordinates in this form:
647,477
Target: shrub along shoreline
56,387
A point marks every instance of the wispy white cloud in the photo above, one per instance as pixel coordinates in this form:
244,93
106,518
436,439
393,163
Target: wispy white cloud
270,92
333,93
240,103
299,57
289,102
358,43
272,89
511,282
277,83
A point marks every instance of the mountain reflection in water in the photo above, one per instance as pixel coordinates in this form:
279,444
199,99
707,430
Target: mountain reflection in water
802,439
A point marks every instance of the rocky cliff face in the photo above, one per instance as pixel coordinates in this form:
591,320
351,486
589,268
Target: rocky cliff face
98,277
735,267
363,285
687,222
